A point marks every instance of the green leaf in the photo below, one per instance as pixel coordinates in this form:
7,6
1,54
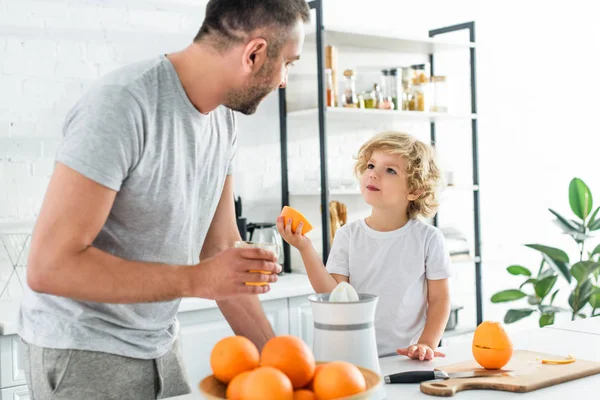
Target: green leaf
532,280
596,251
544,286
593,217
565,223
553,296
518,270
560,267
515,315
581,295
552,252
580,198
533,300
507,295
582,270
595,298
594,226
546,319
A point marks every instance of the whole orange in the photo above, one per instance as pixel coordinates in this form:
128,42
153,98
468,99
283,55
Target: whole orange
232,356
338,379
304,394
267,383
292,356
235,387
491,347
310,385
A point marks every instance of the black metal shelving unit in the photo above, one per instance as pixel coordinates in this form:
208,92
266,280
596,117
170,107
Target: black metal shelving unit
317,5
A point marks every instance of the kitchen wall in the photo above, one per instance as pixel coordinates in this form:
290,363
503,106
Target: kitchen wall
536,108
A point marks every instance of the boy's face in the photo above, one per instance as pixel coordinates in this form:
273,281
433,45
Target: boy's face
384,183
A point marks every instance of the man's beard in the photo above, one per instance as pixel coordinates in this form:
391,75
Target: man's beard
246,100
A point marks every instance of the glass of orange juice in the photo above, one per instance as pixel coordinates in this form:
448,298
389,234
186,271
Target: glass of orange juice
272,247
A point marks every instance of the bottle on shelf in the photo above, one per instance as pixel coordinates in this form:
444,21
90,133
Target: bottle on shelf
350,98
396,88
331,62
385,100
330,99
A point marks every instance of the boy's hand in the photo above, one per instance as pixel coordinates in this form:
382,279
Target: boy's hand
420,352
298,240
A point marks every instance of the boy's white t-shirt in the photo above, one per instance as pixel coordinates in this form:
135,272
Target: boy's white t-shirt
394,266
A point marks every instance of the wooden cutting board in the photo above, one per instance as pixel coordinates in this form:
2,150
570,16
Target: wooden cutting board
527,374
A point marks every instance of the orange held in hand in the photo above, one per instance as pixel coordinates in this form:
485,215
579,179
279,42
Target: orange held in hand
338,379
492,347
292,356
267,383
258,271
232,356
297,217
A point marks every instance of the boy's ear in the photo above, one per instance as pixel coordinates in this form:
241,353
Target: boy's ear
415,195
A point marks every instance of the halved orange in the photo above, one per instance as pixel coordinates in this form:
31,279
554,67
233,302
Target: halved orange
297,217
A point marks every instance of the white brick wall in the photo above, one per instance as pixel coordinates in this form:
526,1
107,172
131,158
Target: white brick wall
50,52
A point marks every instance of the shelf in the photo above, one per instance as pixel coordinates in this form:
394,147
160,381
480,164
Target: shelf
339,114
377,40
356,191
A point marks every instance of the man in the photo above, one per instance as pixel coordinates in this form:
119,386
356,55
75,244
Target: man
139,211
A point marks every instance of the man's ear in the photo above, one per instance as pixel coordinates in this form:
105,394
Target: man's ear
255,55
415,195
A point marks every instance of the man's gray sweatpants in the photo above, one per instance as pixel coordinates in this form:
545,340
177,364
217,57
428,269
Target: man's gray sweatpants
87,375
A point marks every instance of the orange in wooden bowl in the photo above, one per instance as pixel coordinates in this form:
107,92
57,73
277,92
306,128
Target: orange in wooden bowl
338,379
236,386
292,356
232,356
492,347
213,389
267,383
304,394
297,217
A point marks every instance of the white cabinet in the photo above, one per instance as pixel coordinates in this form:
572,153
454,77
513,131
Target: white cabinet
15,393
12,361
301,319
202,329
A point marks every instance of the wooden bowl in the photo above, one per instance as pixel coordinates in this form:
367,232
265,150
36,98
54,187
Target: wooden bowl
213,389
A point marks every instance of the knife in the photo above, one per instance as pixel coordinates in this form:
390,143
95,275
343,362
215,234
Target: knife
422,376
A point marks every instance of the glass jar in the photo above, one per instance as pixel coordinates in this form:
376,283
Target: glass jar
420,97
350,98
439,101
406,88
330,93
385,100
370,99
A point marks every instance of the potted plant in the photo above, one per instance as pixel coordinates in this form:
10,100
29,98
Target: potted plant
581,275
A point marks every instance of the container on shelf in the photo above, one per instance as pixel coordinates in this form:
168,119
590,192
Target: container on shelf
385,102
406,88
330,99
396,87
350,98
439,92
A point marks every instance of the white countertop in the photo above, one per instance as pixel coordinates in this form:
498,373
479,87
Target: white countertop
549,340
288,285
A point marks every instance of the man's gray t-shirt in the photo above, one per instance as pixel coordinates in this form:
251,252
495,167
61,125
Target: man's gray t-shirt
136,132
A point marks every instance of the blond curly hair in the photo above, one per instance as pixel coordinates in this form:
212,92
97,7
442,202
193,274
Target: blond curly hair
423,174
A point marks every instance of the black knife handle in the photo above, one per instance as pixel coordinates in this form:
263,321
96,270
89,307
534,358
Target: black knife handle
410,377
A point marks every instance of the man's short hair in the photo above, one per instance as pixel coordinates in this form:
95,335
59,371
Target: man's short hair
229,22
